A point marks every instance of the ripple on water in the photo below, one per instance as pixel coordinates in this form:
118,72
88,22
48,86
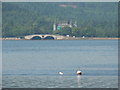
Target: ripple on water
60,82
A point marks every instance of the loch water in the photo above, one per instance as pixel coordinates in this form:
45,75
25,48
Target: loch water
36,63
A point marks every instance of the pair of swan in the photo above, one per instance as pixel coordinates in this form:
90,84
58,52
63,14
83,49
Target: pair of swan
78,73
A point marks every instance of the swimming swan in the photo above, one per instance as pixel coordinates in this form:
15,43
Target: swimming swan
79,72
61,73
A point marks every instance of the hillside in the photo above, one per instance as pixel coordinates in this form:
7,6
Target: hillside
93,19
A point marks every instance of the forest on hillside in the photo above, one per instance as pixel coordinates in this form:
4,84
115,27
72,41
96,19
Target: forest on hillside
94,19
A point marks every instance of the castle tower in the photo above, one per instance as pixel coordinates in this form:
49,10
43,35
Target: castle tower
75,24
54,27
70,24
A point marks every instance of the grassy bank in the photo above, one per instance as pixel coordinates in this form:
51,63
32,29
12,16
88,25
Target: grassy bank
71,38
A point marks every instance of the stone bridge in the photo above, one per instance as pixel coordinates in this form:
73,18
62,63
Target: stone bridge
43,37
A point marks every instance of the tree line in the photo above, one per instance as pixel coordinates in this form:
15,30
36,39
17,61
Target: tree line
93,19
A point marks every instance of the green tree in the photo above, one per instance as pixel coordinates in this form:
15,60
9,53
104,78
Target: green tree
76,31
66,31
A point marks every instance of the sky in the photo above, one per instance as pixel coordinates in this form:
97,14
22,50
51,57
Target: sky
60,0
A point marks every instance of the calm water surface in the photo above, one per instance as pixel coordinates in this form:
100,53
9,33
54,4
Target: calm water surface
36,63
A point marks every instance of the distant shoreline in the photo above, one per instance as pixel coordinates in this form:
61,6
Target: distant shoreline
71,38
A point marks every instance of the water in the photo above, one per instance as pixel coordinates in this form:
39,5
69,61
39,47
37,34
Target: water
36,63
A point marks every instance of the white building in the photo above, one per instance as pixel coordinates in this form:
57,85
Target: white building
58,26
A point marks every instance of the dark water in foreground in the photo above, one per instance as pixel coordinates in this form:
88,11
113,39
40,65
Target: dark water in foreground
35,64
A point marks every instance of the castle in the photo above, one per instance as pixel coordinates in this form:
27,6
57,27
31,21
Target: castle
60,25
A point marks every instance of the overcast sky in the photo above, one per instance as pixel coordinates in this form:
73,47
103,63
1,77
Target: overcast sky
60,0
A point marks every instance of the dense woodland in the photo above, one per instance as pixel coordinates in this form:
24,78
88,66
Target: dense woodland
94,19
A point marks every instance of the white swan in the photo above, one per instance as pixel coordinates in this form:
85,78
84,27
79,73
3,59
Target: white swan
61,73
79,72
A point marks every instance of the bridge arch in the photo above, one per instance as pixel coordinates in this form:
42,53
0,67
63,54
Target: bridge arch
43,37
49,38
36,38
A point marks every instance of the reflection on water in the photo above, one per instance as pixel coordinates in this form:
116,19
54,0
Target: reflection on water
60,81
28,63
78,81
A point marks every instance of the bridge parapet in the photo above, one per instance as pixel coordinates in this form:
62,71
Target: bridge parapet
29,37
